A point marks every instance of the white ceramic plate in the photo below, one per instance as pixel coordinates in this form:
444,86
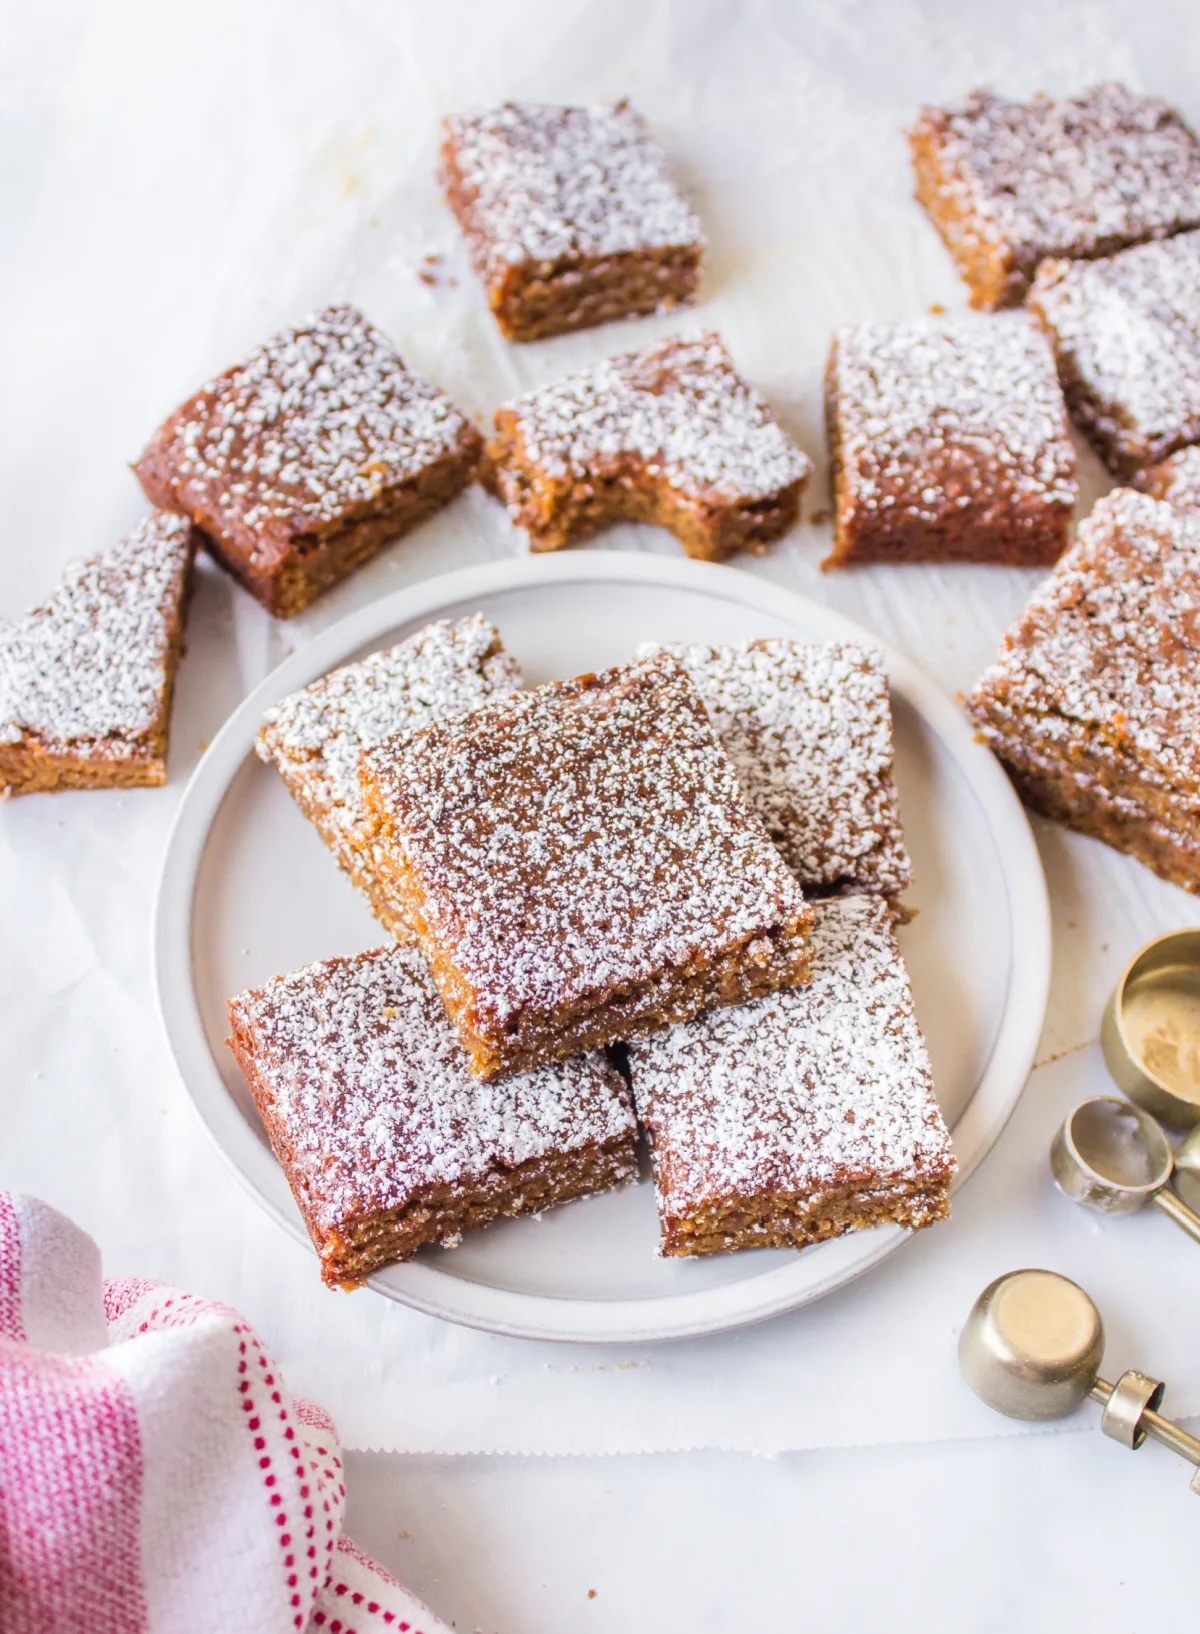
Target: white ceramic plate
248,891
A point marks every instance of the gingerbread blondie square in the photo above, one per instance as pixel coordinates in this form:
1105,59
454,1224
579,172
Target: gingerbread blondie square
303,461
671,435
1175,479
1009,184
804,1115
1126,333
315,737
581,867
1093,703
809,731
386,1139
86,679
949,442
570,215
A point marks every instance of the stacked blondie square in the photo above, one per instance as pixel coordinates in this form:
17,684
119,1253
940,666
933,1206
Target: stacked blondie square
659,897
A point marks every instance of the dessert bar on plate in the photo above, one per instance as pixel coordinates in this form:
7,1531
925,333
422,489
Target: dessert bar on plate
581,866
303,461
570,215
86,679
386,1139
315,737
1093,703
1010,184
1175,479
948,442
1126,332
804,1115
808,728
671,434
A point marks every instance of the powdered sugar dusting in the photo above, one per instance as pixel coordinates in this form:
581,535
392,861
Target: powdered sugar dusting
371,1088
318,424
317,736
584,836
1107,652
1074,177
89,667
813,1087
809,731
1127,333
553,181
1177,480
941,415
680,406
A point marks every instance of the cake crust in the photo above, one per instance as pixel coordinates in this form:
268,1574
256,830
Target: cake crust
386,1140
316,737
1009,185
1093,704
809,731
804,1115
948,442
303,461
570,216
1126,334
581,866
86,679
670,435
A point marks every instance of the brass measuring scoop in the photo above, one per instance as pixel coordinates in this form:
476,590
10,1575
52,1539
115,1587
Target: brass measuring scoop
1032,1347
1112,1157
1150,1033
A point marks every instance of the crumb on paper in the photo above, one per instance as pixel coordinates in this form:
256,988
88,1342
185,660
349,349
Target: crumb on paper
591,1594
432,271
819,518
936,308
405,1535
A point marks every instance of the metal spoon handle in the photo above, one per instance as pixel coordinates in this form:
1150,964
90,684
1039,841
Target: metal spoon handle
1176,1209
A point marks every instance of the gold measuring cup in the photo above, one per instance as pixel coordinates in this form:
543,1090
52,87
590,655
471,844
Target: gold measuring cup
1111,1157
1150,1033
1032,1347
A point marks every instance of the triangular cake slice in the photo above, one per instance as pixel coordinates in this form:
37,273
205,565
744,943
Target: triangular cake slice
86,679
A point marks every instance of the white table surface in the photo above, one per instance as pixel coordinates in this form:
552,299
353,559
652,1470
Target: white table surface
178,180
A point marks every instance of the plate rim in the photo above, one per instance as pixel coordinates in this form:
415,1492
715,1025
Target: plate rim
662,1317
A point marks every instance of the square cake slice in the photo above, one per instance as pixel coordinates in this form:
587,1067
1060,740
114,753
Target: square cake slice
809,731
385,1138
581,867
671,435
1093,703
570,215
86,679
804,1115
316,737
1126,333
1010,184
303,461
949,443
1175,479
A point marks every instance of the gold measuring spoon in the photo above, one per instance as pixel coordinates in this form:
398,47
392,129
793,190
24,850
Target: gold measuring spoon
1032,1347
1111,1157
